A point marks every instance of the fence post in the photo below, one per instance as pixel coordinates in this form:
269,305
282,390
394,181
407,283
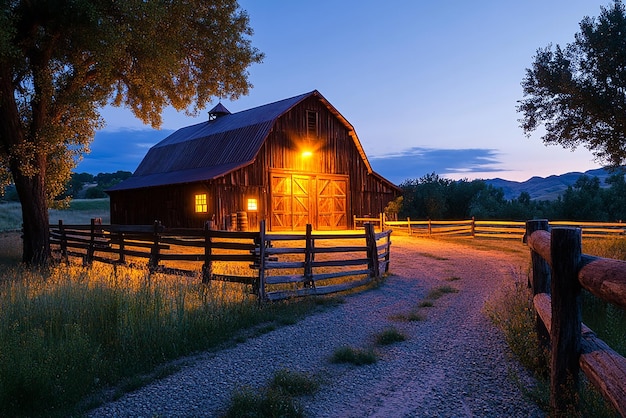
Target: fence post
430,227
261,284
207,267
540,279
153,264
122,259
354,222
473,229
382,221
408,225
387,256
63,245
565,333
308,257
372,251
90,247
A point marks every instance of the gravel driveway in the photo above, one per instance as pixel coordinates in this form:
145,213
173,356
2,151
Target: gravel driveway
452,364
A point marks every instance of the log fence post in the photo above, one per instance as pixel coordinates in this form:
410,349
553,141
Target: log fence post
153,263
473,227
92,242
122,258
372,251
63,244
565,332
408,225
388,251
540,280
308,257
207,267
430,227
262,246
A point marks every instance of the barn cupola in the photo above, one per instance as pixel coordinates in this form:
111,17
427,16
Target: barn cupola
218,111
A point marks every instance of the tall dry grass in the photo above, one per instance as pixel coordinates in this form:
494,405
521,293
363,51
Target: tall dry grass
69,331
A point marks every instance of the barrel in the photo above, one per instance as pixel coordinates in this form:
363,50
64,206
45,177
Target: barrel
242,221
233,221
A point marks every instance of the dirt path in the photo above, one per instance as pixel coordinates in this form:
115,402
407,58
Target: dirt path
454,363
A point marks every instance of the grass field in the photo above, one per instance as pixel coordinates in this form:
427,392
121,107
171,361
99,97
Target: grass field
80,211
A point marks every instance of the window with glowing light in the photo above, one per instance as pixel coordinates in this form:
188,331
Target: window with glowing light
201,203
252,205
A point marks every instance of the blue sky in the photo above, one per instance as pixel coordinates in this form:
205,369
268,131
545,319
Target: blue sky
430,86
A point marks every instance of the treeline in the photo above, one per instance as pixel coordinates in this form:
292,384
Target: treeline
80,186
433,197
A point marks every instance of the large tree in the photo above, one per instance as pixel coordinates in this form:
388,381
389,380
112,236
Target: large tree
578,93
63,60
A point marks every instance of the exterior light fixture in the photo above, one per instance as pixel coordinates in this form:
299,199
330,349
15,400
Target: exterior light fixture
252,205
307,154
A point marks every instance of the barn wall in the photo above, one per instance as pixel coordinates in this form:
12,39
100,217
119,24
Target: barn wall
334,153
174,205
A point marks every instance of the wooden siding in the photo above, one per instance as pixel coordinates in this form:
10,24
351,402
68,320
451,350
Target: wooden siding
334,153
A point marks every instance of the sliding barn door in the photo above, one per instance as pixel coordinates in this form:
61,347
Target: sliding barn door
300,199
331,203
290,202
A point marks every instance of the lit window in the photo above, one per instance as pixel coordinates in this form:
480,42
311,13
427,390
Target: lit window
252,205
201,206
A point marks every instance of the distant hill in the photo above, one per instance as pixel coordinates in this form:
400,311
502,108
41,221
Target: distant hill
545,188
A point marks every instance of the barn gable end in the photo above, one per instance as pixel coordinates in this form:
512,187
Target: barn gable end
291,162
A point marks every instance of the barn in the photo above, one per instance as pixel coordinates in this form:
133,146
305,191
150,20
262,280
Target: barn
293,162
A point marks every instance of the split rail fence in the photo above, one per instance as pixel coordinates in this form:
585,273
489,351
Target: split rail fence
486,229
560,271
277,266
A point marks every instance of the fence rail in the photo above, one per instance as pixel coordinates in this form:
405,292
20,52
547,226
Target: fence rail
279,265
489,229
560,271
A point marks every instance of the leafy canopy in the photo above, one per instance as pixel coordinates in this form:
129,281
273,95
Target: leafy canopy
578,93
62,60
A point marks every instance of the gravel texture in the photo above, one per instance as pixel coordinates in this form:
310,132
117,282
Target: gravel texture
454,363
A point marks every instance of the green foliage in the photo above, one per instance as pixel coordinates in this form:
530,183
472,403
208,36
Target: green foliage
440,199
390,336
74,330
356,356
294,383
576,93
269,403
514,313
438,292
59,65
276,400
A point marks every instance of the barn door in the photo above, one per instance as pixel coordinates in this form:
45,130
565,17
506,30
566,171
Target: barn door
331,203
299,199
290,201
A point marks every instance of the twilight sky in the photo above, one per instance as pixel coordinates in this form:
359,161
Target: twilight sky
430,86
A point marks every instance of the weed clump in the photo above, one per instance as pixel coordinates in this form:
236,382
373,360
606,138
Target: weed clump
390,336
358,357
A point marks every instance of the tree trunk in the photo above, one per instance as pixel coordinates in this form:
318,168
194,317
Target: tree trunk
36,232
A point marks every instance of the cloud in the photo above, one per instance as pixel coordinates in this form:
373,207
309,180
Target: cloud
114,150
119,150
416,162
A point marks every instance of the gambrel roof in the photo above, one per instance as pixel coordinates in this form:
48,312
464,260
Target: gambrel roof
212,149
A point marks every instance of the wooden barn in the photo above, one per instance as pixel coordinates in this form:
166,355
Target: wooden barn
292,162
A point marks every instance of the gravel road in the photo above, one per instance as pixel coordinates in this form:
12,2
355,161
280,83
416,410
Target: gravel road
454,363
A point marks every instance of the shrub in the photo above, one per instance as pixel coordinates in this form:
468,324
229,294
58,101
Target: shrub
390,336
354,356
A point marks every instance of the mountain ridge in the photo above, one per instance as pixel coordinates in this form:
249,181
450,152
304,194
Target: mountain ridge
546,188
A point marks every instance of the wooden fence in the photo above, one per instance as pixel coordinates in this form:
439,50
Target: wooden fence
560,271
278,265
487,229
